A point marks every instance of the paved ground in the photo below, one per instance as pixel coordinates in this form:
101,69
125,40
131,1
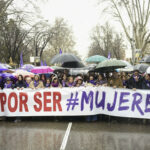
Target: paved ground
47,135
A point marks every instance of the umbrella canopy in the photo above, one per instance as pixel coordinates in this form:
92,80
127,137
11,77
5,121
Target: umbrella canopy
148,70
141,67
6,66
27,67
24,73
8,75
65,57
42,70
110,65
145,59
3,68
96,59
73,65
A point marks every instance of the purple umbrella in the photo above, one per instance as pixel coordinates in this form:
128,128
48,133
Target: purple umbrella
8,75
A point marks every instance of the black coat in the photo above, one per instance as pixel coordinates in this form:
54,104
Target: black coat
145,85
1,84
20,84
131,83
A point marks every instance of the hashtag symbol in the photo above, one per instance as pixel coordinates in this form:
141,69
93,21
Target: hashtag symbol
72,101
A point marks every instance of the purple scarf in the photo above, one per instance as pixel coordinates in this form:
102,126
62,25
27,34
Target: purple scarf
47,85
92,82
63,83
27,84
55,84
36,83
101,82
71,84
7,85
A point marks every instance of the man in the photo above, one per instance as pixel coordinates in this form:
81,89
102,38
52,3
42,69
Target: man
135,81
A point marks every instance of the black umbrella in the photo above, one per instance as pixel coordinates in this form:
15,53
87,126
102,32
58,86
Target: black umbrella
65,57
145,59
73,65
141,67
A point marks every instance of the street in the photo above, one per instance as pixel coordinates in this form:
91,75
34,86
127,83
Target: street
48,135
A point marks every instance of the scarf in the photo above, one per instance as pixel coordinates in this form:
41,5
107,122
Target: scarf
36,83
27,84
55,84
47,85
7,85
71,84
92,82
63,83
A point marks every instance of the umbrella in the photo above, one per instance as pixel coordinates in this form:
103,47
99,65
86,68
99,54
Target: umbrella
141,67
27,67
3,68
96,59
65,57
148,70
145,59
24,73
6,66
42,70
73,65
110,65
8,75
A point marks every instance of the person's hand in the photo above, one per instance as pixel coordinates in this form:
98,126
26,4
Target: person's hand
134,89
18,88
115,87
136,78
22,88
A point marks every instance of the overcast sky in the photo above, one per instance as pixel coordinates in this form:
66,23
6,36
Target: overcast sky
81,15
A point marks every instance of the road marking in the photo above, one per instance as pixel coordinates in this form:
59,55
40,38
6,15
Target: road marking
65,139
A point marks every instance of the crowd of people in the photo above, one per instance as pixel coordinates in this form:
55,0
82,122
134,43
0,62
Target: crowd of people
133,80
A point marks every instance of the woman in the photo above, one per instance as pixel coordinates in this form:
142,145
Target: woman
36,83
101,81
64,80
55,82
91,81
79,81
8,84
146,82
28,81
70,82
20,84
48,83
43,78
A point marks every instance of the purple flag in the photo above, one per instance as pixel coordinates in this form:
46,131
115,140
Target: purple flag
21,60
109,55
60,51
41,63
45,64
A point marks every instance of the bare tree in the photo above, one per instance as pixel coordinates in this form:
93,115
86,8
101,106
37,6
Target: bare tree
137,12
105,40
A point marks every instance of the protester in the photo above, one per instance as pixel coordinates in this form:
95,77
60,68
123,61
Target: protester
146,82
8,84
115,81
36,83
20,84
79,81
64,80
70,82
101,81
91,81
135,81
27,81
43,78
55,82
48,83
124,80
